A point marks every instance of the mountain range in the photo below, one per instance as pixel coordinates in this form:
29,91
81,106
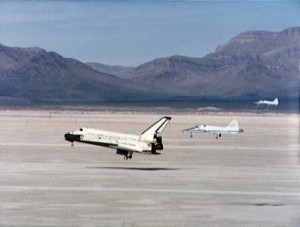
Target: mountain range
38,76
254,65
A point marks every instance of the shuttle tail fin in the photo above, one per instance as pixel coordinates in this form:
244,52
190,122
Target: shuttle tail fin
157,128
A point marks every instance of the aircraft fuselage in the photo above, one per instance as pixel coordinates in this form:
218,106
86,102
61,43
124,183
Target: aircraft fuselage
109,139
126,144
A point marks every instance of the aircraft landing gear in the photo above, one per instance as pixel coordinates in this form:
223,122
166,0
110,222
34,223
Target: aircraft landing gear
218,135
72,144
128,156
191,135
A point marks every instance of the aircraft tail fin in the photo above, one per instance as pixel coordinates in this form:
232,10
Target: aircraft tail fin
233,125
157,128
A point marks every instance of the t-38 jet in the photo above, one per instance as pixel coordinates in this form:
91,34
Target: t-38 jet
275,102
126,144
232,128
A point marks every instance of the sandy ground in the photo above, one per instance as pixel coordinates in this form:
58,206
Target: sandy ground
249,179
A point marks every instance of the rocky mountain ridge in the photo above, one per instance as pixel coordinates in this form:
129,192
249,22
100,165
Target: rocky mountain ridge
47,77
250,66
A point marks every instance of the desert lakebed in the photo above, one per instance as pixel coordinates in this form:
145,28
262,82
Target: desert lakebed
248,179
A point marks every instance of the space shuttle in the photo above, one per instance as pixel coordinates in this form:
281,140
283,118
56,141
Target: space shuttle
148,142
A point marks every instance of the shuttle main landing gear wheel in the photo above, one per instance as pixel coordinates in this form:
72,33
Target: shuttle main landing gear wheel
128,156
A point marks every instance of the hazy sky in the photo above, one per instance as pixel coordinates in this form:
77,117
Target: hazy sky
133,32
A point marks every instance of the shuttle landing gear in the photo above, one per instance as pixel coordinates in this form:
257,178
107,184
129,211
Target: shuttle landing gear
72,144
128,156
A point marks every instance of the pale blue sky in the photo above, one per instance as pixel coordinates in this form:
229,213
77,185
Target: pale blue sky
130,33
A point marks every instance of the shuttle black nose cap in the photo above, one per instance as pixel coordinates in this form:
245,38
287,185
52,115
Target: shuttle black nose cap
69,137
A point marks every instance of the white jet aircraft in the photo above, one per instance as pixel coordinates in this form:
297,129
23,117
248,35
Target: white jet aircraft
232,128
148,142
275,102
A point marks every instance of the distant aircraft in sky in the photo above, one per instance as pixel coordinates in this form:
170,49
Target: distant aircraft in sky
275,102
126,144
232,128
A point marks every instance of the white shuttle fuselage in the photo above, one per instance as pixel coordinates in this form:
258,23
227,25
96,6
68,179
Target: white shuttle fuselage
125,144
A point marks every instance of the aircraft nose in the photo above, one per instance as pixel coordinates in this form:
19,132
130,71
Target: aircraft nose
241,130
69,137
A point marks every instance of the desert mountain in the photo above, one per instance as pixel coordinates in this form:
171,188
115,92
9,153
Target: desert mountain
252,65
119,71
40,76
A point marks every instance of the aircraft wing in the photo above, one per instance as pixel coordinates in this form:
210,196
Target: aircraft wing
129,147
193,129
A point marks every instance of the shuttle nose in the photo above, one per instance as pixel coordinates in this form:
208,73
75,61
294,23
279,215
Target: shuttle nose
69,137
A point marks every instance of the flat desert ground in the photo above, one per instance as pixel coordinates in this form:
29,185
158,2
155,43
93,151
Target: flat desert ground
249,179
